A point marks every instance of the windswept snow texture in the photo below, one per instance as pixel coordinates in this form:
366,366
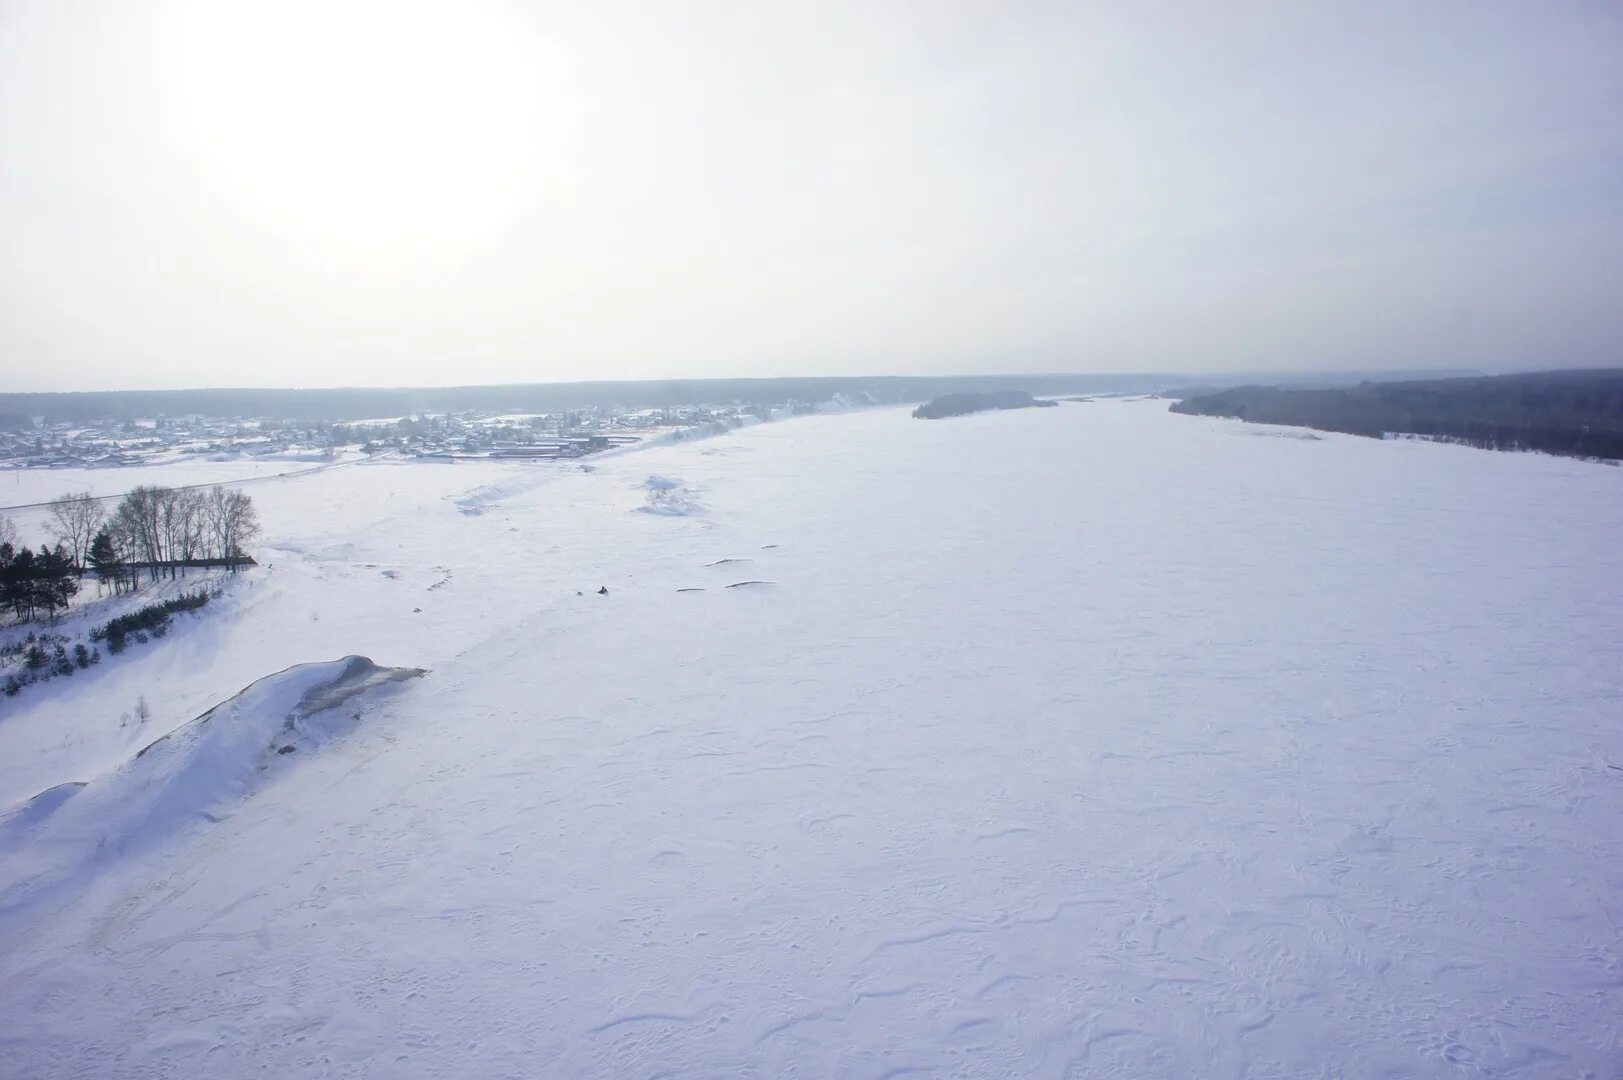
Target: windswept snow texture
1075,742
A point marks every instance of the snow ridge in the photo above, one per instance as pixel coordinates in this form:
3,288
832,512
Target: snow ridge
196,772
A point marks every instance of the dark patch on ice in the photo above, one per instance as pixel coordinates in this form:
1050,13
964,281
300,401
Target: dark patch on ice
724,562
741,584
690,589
359,675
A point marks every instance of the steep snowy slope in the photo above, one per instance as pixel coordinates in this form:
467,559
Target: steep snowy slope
1087,741
199,772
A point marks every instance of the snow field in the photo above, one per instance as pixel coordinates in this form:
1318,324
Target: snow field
1088,741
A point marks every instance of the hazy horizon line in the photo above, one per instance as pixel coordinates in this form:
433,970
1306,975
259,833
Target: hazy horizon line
1382,374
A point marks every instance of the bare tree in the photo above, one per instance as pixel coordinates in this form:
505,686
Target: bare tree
74,519
233,522
139,523
189,526
8,531
172,525
122,549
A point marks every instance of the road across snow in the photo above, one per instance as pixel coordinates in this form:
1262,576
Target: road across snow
1089,741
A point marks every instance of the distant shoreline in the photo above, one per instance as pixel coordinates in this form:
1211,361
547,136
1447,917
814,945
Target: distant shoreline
1568,413
21,409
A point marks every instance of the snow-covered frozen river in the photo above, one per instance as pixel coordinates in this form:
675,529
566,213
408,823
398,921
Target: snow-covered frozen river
1077,742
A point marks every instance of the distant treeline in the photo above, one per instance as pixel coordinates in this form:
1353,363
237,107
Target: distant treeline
1572,413
17,410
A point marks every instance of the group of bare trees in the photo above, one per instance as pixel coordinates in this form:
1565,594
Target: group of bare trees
156,530
163,530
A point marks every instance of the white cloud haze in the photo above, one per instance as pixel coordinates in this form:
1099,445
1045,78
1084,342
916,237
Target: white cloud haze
389,193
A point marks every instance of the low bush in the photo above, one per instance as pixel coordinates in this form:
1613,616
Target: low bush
153,618
46,656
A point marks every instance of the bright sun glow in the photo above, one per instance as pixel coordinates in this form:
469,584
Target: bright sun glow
364,124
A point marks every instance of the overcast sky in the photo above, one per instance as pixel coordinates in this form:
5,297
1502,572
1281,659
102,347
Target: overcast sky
398,192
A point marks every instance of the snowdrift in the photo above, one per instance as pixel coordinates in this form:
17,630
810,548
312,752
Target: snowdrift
200,771
669,497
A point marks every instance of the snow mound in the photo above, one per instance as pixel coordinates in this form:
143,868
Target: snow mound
670,498
479,499
43,805
199,771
